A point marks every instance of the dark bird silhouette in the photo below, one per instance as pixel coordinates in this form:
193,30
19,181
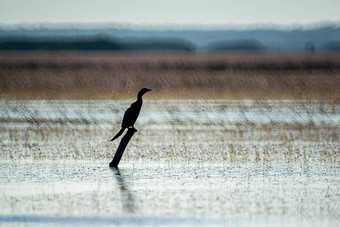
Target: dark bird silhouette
131,114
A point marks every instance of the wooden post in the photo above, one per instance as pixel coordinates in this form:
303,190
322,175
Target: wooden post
121,148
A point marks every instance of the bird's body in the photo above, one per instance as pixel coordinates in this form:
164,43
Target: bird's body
131,114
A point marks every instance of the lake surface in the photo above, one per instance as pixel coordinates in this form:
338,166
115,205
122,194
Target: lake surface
191,163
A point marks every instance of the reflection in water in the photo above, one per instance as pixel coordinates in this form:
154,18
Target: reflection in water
126,196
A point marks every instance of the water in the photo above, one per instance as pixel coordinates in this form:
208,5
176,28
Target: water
169,111
209,163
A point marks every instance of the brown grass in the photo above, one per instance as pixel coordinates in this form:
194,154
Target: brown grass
116,75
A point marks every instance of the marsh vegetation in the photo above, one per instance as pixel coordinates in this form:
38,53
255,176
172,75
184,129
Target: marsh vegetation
241,143
117,75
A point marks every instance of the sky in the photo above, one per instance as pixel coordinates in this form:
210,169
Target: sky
202,12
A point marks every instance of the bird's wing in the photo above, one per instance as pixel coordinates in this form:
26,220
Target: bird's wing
131,115
126,115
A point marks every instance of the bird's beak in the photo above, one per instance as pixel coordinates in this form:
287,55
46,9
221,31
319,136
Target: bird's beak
149,90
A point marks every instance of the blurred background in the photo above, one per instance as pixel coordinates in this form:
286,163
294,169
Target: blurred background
109,49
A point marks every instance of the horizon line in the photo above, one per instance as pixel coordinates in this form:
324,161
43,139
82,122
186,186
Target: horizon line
166,26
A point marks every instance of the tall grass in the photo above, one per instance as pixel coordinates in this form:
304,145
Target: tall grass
118,75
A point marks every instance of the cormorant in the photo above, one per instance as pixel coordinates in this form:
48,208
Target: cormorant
131,114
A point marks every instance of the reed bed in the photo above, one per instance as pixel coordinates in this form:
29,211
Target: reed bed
117,75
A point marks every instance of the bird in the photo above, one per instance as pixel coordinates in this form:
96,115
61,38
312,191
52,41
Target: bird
131,114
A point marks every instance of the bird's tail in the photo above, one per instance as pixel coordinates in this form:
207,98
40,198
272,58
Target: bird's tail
118,134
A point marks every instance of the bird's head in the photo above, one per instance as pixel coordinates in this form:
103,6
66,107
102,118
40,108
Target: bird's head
142,92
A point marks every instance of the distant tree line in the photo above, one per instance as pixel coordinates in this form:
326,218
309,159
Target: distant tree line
332,45
242,44
94,43
101,43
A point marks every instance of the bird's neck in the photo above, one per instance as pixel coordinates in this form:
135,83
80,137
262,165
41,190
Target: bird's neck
139,98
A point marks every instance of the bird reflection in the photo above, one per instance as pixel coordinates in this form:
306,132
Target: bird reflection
126,196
